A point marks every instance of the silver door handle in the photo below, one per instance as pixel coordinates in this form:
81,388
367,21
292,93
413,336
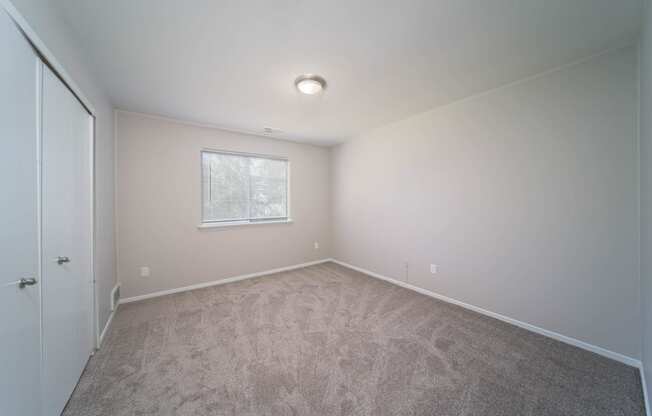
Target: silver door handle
61,260
22,282
26,282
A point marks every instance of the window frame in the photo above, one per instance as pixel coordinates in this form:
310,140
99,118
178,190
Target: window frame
203,223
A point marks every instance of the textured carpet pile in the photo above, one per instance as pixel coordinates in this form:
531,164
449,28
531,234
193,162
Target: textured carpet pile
326,340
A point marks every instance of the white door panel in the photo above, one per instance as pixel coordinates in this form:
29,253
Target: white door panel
66,200
20,353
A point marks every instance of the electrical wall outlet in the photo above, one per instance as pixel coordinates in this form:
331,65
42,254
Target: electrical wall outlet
434,268
144,271
316,245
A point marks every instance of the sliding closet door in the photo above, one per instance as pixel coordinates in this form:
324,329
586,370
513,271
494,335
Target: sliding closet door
20,352
67,247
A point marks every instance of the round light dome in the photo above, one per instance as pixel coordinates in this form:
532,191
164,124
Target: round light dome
310,84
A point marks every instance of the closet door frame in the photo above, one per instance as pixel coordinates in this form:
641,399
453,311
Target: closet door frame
49,59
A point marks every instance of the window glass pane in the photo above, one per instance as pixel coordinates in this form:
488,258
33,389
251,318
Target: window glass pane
268,188
226,187
241,187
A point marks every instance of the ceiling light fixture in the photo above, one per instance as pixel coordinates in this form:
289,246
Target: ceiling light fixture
310,84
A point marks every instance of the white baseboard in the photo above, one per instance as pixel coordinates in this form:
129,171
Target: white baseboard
114,306
220,282
106,327
554,335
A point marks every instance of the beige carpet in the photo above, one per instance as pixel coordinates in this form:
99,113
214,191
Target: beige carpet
326,340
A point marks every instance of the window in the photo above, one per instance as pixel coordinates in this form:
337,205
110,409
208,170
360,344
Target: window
242,188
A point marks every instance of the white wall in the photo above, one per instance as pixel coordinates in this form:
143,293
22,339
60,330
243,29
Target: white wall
159,207
45,21
646,191
525,196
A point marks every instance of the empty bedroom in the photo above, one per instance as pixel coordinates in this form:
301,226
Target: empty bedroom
291,207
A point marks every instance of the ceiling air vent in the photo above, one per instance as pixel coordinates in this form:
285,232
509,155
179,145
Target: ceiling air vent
271,130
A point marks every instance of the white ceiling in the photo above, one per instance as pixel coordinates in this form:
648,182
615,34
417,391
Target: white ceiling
232,63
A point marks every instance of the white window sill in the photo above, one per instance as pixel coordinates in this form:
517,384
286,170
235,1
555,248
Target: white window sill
230,224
